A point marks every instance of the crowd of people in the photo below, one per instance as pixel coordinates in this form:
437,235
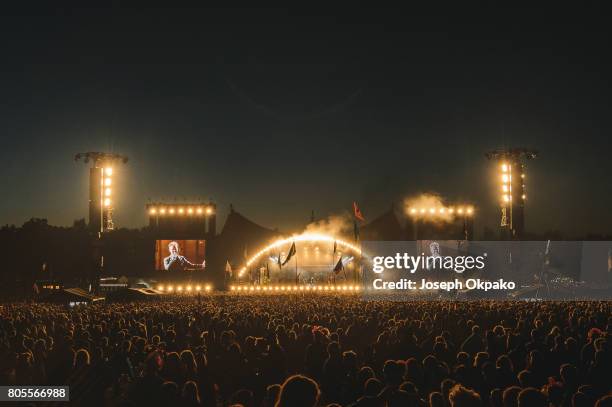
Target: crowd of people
313,350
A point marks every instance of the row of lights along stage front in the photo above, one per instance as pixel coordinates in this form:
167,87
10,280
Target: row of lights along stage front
181,232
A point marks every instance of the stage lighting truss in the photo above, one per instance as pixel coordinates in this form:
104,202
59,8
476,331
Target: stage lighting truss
433,212
162,209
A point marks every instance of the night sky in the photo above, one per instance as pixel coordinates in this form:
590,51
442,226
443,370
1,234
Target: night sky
281,112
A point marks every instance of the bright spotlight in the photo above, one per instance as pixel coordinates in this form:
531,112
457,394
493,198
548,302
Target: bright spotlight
198,288
505,188
199,211
107,192
506,198
432,210
108,182
188,288
460,210
505,178
504,167
162,211
441,210
152,211
171,211
107,202
422,210
179,288
160,287
208,287
208,210
190,211
170,288
523,196
108,171
470,210
181,211
413,211
232,288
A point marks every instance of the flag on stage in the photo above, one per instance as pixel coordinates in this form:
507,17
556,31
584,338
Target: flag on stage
339,266
228,269
357,212
291,253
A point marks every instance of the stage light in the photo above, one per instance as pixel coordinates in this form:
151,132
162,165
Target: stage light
199,211
208,287
162,211
506,198
171,211
276,288
432,210
107,202
160,287
441,210
451,210
108,171
198,288
413,211
209,210
258,288
232,288
460,211
422,210
181,211
470,210
179,288
152,211
265,288
505,178
523,196
107,182
505,188
523,175
251,288
326,288
170,288
504,167
188,288
190,211
301,288
107,192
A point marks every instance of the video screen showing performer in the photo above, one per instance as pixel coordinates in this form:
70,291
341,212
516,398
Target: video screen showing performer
180,255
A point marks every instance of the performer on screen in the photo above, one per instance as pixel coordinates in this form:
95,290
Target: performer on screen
176,262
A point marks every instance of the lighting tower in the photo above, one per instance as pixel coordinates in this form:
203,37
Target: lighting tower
101,188
512,184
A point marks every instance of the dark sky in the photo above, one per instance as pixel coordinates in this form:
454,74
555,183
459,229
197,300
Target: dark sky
283,111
